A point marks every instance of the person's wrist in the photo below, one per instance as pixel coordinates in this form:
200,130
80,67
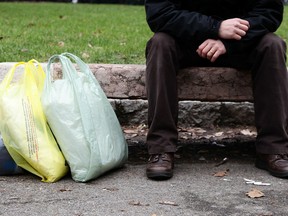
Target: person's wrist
215,29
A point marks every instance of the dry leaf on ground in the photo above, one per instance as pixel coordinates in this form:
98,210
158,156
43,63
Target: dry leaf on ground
255,193
247,132
61,44
85,55
130,131
137,203
218,134
111,189
64,190
221,173
168,203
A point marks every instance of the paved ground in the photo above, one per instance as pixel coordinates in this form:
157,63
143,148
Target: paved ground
192,191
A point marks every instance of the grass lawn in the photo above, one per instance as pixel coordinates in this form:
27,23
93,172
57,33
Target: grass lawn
115,34
97,33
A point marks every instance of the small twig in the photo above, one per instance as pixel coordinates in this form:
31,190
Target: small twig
222,162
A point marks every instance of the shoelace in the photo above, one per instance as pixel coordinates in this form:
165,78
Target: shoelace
155,158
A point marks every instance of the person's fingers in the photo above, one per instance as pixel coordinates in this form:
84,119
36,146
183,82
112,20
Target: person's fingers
211,53
206,49
234,28
202,47
240,32
211,49
236,36
241,27
215,56
244,22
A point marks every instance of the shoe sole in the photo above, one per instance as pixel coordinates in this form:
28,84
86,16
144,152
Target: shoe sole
262,165
159,176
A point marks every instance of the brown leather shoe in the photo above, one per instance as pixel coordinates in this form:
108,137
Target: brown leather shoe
160,166
277,164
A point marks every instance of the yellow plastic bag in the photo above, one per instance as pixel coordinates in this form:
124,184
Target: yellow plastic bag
24,127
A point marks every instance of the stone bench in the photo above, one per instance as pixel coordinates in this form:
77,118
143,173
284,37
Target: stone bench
215,104
208,97
203,84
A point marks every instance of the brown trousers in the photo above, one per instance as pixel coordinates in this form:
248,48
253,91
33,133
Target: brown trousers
165,56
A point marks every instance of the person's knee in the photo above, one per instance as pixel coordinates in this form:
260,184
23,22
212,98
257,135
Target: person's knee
162,40
272,42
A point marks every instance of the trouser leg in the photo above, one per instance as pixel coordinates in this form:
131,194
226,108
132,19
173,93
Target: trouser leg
270,90
161,71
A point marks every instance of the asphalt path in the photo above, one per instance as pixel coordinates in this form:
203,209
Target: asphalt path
194,190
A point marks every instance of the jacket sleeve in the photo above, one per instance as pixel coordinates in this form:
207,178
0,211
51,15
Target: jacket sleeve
264,16
165,16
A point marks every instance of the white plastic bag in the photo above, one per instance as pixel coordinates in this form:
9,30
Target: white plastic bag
82,120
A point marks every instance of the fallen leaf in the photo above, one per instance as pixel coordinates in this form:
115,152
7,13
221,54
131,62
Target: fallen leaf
168,203
85,55
180,129
61,44
202,158
141,126
130,131
64,190
221,173
111,189
14,198
24,50
247,132
218,134
197,130
137,203
255,193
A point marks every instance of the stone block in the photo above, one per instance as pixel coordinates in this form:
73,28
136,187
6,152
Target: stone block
208,97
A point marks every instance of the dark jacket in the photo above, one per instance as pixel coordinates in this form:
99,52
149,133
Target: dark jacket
198,20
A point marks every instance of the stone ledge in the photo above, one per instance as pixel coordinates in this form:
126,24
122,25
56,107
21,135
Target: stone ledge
215,106
191,113
197,83
209,97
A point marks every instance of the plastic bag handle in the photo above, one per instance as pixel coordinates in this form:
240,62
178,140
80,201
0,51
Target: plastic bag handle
66,65
84,68
79,62
39,80
8,78
38,74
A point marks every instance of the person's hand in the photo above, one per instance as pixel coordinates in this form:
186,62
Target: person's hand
211,49
233,28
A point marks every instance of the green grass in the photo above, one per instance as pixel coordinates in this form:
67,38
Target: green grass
283,30
115,34
97,33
